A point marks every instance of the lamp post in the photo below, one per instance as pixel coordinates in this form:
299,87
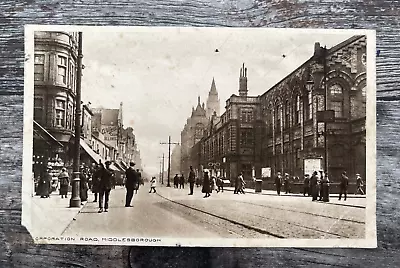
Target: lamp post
75,200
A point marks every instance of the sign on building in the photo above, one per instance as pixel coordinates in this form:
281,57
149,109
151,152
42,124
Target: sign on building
311,165
266,172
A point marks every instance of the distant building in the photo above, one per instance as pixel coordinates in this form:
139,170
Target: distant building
176,160
195,125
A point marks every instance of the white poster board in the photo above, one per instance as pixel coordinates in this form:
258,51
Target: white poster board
266,172
311,165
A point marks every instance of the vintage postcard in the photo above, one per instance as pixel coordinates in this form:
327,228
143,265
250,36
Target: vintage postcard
214,137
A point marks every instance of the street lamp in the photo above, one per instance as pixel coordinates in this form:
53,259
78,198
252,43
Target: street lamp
75,200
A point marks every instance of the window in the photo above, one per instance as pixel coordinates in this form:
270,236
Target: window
309,110
337,106
298,158
62,70
39,68
278,116
60,113
247,116
336,89
287,115
72,76
38,107
364,91
297,110
246,138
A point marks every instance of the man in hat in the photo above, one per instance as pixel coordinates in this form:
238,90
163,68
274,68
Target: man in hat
105,186
45,183
360,184
130,184
278,183
64,182
191,180
286,183
344,183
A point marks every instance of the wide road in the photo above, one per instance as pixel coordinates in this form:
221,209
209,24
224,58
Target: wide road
173,213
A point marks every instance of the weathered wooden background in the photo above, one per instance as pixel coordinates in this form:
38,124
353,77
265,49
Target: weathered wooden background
16,246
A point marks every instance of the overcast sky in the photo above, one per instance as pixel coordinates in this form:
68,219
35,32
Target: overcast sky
158,72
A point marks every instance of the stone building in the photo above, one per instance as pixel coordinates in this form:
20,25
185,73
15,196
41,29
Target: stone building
229,144
284,126
55,61
293,132
195,125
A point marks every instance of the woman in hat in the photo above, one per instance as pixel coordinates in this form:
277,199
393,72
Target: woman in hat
45,183
64,182
206,184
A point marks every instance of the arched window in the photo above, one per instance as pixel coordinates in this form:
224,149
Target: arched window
336,99
297,110
287,114
308,106
278,118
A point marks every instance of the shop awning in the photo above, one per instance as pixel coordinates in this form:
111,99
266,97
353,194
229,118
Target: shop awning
124,165
114,167
90,152
44,134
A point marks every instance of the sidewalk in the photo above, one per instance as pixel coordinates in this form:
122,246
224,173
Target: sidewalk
51,216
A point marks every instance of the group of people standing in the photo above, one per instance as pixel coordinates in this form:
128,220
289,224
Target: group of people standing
179,181
211,184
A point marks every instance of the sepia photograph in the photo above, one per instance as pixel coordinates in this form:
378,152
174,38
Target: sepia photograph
187,136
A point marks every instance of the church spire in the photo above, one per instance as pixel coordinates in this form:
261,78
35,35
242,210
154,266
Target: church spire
213,90
212,100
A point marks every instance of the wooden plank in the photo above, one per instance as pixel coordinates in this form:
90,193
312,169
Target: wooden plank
16,247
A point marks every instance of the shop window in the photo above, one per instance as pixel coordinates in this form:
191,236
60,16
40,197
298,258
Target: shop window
62,70
39,67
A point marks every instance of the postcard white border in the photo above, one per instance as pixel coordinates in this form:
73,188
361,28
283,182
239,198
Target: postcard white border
370,240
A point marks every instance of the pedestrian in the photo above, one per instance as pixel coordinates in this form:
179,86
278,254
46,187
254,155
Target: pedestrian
206,184
220,184
344,183
278,183
139,180
306,185
83,185
286,183
182,182
130,183
236,191
105,186
191,180
213,184
242,183
319,182
176,180
325,187
360,184
45,183
64,182
96,182
314,186
153,183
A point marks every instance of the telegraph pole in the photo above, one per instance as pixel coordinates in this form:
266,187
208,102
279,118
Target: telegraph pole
75,200
169,157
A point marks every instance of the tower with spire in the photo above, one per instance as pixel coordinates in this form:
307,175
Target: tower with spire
213,104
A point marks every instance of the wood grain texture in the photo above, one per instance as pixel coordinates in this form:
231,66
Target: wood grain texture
16,246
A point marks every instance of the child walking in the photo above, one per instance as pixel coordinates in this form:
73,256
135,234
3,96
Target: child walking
153,183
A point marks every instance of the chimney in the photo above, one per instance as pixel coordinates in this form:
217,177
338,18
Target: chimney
243,82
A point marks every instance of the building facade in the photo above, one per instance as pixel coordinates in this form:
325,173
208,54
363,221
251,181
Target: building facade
292,130
230,143
55,61
195,125
323,100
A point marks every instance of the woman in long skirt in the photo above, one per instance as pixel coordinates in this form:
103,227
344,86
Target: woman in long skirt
206,184
64,182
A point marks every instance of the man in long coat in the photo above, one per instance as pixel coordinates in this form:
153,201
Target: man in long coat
278,183
105,186
314,186
45,183
132,180
344,183
206,184
64,182
192,178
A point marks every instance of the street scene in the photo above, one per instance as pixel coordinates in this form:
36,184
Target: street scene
234,135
